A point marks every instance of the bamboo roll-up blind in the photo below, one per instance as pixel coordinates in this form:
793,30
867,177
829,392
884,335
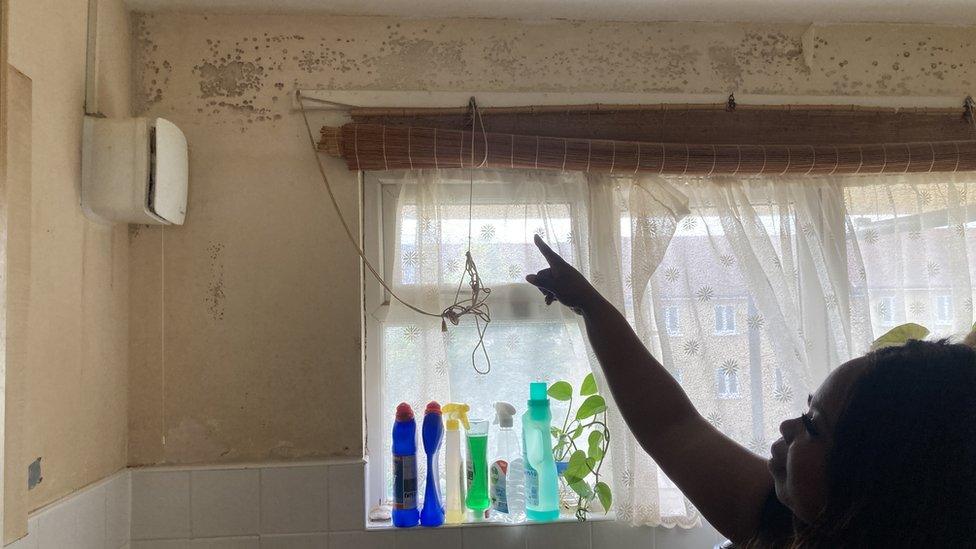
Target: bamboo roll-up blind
380,147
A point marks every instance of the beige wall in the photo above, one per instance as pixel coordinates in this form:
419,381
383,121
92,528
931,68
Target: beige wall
256,353
77,327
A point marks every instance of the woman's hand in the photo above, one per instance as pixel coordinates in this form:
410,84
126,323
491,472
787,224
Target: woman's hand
561,281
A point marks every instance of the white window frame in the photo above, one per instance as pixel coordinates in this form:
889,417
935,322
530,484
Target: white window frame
728,317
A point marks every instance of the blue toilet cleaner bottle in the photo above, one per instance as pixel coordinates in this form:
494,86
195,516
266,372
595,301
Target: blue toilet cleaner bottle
405,512
432,433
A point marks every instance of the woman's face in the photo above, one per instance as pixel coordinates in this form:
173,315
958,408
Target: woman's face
799,458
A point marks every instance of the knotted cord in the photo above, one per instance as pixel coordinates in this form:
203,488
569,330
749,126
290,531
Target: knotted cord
476,305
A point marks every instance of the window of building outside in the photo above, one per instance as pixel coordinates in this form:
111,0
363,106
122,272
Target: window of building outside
724,320
886,311
943,309
727,383
672,320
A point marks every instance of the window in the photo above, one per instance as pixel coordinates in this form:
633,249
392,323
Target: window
421,240
943,309
724,320
672,320
727,383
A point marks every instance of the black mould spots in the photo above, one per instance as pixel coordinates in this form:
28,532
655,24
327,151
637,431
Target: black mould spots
229,79
215,290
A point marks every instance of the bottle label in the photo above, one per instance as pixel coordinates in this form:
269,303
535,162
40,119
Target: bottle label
404,482
531,486
499,486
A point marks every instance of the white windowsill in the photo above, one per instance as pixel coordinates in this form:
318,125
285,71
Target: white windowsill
563,519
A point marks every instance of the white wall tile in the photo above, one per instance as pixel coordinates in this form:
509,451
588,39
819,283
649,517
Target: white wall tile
245,542
704,537
161,544
90,533
494,537
610,534
347,509
57,527
224,502
294,500
160,504
118,502
566,535
377,539
295,541
426,538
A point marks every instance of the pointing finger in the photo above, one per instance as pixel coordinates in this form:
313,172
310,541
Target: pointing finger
552,257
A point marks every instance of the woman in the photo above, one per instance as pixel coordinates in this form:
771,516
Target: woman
885,456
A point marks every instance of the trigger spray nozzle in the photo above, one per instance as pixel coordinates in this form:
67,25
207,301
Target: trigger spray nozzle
504,414
455,414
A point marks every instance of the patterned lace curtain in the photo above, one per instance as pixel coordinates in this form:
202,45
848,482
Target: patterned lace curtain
748,291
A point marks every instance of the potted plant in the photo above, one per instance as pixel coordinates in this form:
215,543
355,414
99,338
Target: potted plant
579,447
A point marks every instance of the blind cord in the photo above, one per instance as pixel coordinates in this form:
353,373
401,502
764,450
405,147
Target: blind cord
476,305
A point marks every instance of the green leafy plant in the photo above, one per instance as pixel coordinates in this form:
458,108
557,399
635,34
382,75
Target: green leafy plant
583,440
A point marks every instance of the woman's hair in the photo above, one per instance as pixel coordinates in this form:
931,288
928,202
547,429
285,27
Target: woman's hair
902,469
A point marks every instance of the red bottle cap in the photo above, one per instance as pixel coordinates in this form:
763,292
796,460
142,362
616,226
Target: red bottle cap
404,412
433,408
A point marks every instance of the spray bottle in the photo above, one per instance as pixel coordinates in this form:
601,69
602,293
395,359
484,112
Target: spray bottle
433,432
506,472
541,481
477,500
405,512
455,415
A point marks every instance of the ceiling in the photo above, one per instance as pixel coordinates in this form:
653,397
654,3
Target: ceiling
955,12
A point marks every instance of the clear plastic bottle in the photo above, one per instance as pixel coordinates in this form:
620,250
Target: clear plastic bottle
506,473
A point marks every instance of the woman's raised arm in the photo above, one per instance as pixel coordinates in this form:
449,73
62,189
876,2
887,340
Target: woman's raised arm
725,481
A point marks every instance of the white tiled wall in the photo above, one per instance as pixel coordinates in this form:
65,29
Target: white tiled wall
96,517
309,506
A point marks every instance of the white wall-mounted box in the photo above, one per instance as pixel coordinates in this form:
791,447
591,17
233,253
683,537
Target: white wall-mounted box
134,170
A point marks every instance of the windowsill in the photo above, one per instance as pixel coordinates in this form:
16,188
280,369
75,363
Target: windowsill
563,519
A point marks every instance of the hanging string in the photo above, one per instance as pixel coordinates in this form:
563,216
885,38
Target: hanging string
475,305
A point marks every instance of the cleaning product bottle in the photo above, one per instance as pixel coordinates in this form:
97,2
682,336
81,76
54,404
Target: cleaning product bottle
455,415
477,500
432,431
405,512
541,482
506,472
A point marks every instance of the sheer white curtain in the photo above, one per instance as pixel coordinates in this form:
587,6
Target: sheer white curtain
748,291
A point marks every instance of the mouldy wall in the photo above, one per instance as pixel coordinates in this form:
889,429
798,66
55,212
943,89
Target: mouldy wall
257,353
77,350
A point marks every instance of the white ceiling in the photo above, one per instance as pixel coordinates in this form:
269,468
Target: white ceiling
955,12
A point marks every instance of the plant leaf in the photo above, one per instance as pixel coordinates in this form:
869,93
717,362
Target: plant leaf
561,390
606,497
595,438
582,488
593,405
589,385
899,335
577,467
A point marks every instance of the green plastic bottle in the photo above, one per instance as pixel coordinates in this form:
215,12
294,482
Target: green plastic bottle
541,481
477,500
